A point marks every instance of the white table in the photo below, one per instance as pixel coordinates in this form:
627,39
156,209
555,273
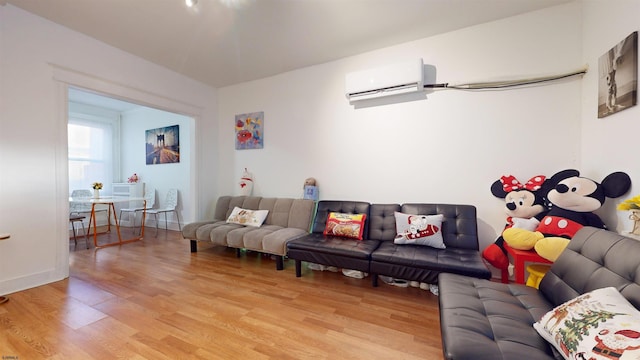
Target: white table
110,201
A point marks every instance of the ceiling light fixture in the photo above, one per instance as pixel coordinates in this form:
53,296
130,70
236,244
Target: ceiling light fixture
191,3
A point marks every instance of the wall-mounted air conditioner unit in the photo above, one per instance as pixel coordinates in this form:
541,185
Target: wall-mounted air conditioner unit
401,78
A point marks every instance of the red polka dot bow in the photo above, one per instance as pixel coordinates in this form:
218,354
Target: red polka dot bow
510,183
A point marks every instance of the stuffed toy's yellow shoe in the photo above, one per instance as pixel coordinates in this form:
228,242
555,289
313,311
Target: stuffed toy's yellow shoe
521,239
551,247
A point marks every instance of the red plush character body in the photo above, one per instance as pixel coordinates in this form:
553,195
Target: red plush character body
524,206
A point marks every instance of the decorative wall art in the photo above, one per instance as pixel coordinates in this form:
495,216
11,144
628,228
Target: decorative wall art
163,145
250,131
618,77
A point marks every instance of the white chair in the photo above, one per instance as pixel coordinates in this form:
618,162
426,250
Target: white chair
170,205
149,196
79,208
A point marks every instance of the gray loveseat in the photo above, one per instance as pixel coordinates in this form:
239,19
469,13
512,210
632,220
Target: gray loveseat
287,219
481,319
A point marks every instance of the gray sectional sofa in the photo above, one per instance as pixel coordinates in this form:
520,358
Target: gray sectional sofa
287,219
481,319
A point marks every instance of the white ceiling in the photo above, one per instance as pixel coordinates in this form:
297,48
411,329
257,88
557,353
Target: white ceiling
225,42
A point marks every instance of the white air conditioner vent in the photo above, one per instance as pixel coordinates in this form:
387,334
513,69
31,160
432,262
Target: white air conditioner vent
400,78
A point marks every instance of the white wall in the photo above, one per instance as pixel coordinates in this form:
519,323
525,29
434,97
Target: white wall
448,148
160,176
609,144
38,59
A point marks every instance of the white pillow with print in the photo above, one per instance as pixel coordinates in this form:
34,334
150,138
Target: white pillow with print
247,217
419,230
600,324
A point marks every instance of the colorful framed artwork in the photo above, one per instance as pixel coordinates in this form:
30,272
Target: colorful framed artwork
249,131
163,145
618,77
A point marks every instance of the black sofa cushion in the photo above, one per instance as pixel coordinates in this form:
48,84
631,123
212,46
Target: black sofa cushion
382,222
402,261
482,319
333,251
359,249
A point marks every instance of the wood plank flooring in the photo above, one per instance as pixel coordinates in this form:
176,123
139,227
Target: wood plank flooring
154,299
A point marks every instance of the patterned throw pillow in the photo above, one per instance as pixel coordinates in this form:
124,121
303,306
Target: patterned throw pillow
346,225
246,217
419,230
600,324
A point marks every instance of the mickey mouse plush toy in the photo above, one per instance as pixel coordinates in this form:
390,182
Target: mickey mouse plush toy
524,206
572,199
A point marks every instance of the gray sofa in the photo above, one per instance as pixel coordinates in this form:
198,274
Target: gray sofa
287,219
482,319
377,253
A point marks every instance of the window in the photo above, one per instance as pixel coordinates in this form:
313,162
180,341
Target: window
92,147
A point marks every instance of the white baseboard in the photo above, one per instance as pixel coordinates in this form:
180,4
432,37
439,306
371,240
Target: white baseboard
172,225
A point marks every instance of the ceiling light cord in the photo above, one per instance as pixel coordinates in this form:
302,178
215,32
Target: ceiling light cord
507,83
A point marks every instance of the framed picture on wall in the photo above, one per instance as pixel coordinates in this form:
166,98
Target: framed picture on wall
250,131
163,145
618,77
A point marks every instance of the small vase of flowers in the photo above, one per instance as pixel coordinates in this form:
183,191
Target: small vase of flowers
97,186
633,205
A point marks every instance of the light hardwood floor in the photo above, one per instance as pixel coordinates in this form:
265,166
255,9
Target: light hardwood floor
155,300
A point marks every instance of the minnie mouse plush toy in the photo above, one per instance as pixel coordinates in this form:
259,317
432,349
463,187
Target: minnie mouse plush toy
524,206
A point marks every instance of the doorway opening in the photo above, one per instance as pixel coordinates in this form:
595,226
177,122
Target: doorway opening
107,144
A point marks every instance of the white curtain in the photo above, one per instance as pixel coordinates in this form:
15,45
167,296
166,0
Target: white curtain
90,154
